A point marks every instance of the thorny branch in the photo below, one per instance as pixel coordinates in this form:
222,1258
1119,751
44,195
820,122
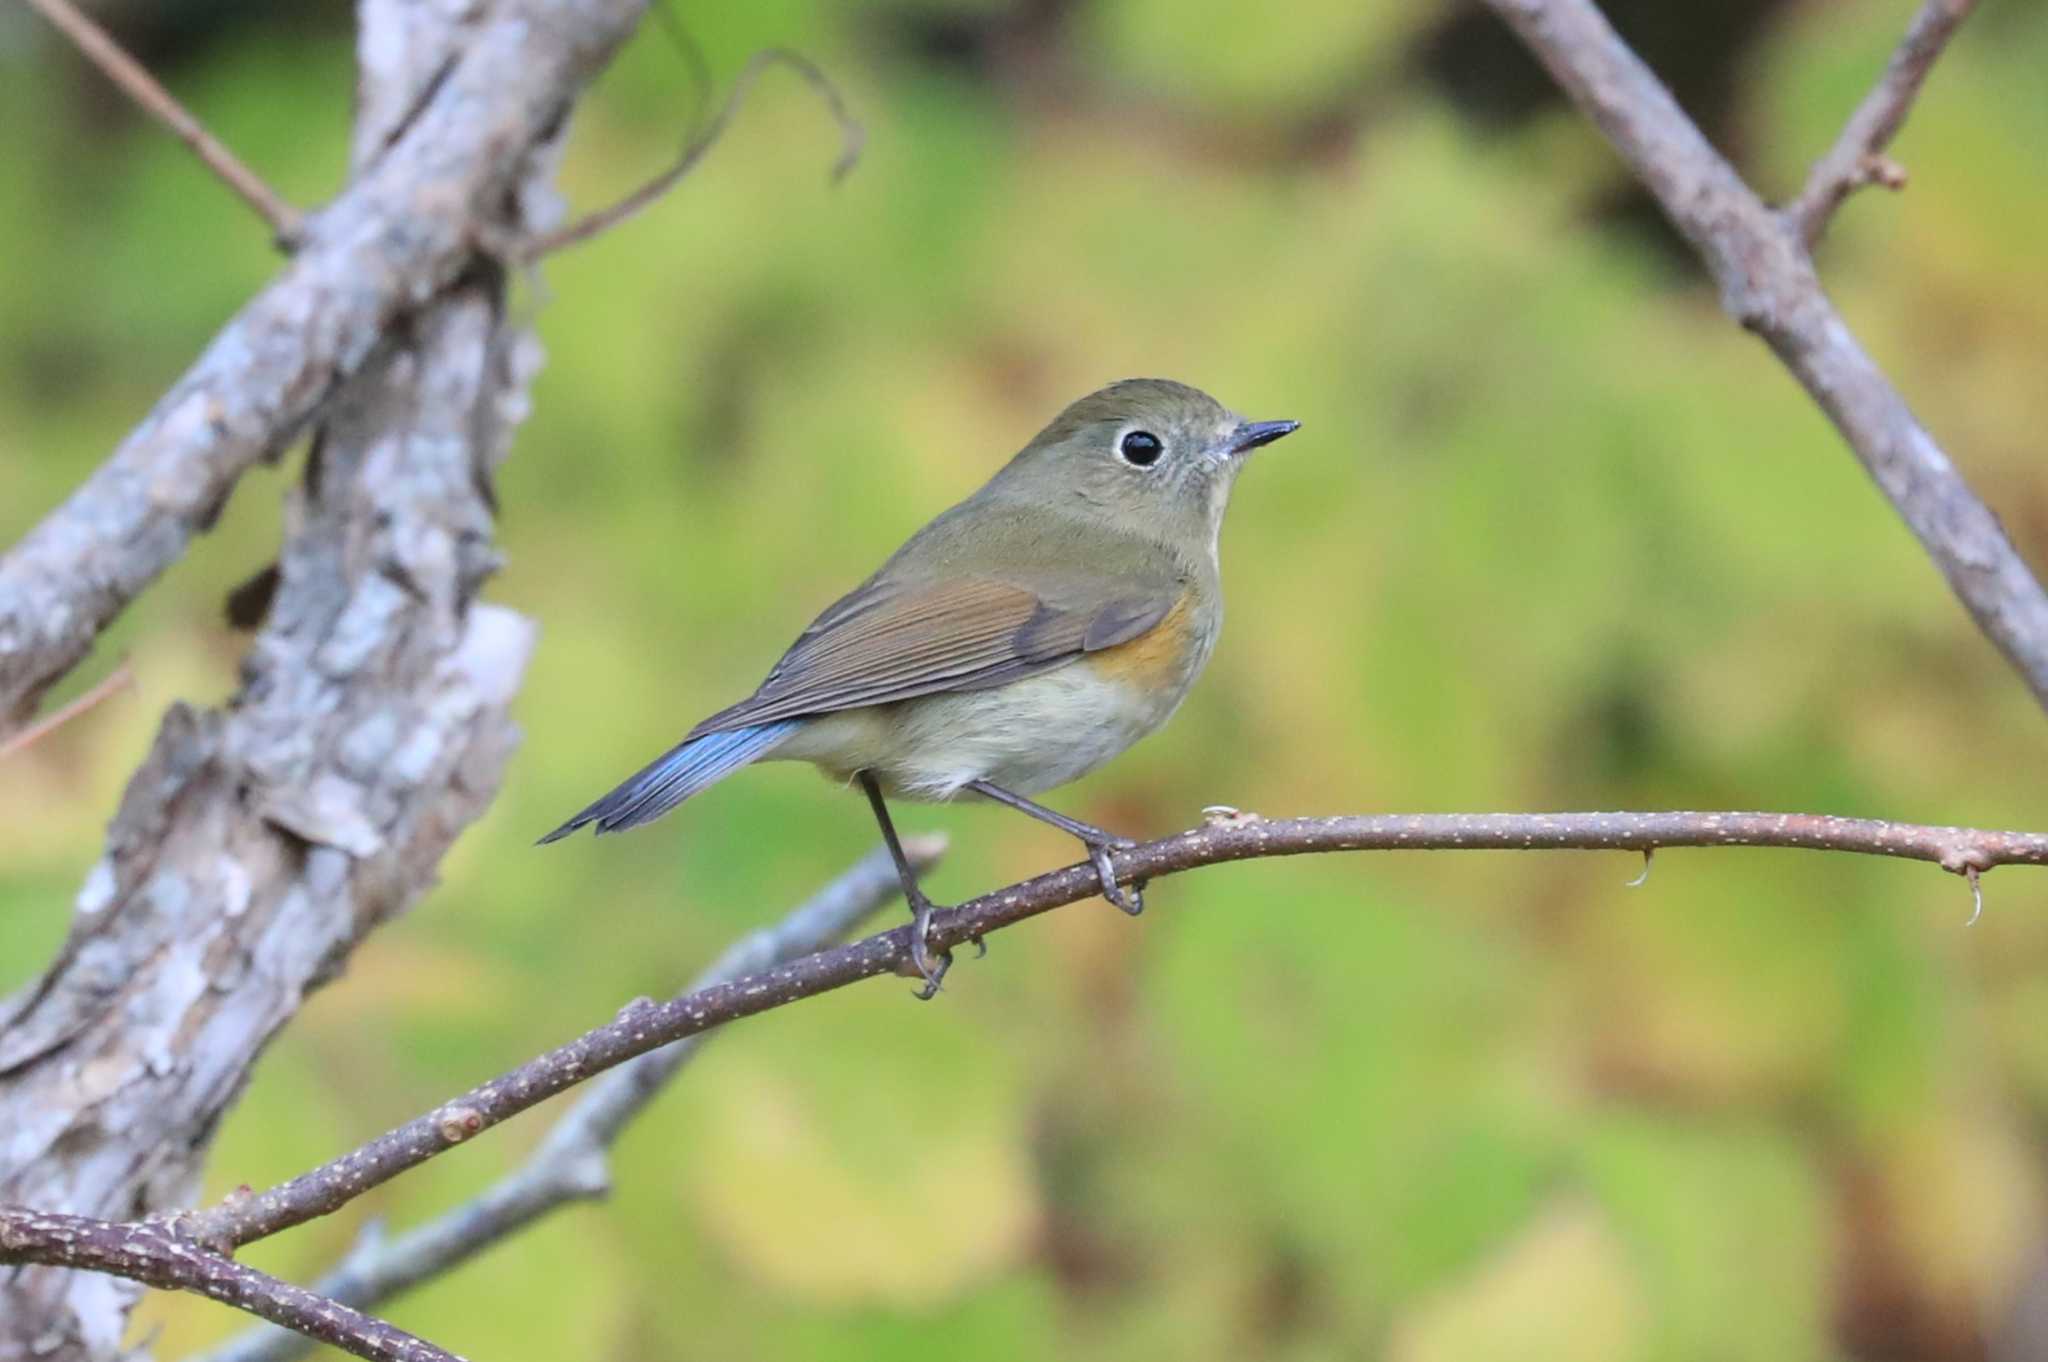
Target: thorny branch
1225,838
149,1253
191,1251
1857,157
570,1163
136,82
1758,258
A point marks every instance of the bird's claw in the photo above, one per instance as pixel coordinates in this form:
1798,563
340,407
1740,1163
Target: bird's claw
1131,900
932,968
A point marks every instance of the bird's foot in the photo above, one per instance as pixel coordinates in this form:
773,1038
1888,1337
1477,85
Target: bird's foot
930,967
1130,898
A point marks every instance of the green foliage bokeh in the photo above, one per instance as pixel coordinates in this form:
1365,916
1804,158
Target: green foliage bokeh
1554,535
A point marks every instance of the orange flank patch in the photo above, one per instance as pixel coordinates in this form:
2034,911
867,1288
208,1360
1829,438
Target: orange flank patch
1156,659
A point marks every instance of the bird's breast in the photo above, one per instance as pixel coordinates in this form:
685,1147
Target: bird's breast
1163,661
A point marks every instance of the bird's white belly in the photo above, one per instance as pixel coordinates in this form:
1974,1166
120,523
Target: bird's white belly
1027,736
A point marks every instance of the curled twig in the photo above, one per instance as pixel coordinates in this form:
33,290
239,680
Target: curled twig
852,138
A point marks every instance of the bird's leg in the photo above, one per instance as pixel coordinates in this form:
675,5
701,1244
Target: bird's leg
1098,841
920,907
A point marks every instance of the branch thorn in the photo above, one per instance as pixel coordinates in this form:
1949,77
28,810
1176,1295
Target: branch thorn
1644,878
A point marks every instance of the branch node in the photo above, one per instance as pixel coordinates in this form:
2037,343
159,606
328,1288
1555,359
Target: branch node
457,1124
1883,171
1761,261
1857,159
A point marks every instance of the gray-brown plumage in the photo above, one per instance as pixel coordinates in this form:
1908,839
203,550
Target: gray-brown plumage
1018,641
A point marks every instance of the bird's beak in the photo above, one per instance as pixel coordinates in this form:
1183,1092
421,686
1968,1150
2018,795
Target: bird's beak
1251,434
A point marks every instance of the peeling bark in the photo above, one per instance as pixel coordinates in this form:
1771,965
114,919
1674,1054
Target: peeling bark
260,842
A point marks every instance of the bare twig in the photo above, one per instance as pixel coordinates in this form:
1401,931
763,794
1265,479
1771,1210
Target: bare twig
1857,157
570,1164
136,82
852,137
1767,283
445,174
1227,838
106,687
150,1254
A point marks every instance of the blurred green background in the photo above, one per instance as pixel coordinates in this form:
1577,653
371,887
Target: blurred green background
1554,535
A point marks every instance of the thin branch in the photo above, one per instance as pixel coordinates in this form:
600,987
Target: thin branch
1230,837
1768,284
150,1254
852,138
1857,157
136,82
105,688
570,1164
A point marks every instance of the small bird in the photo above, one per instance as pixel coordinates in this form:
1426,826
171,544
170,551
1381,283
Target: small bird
1017,642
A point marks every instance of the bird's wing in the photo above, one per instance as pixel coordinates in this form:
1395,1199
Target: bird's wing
892,641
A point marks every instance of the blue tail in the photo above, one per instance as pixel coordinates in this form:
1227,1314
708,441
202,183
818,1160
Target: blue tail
676,775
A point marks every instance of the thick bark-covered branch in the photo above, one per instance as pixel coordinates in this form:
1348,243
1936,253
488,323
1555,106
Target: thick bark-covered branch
259,842
570,1163
154,1257
448,154
1759,259
1235,837
1857,157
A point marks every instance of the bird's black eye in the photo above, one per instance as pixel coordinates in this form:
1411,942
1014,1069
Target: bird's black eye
1140,447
